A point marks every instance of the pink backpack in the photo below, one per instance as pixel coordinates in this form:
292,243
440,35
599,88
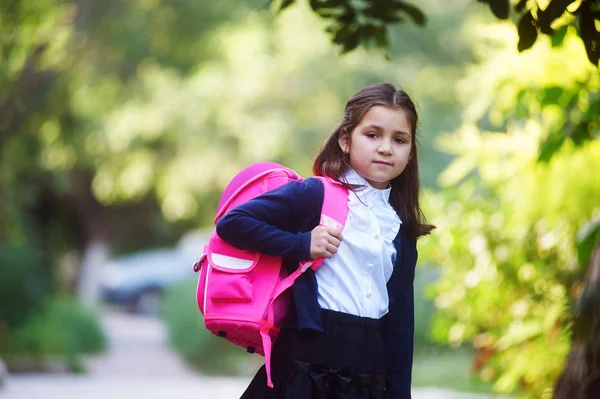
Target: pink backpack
244,295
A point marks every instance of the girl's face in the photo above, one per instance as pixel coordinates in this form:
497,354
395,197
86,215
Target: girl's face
380,145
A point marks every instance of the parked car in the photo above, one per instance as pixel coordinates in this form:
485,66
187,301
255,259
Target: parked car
137,281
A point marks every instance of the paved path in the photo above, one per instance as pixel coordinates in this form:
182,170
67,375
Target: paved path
138,347
140,364
162,388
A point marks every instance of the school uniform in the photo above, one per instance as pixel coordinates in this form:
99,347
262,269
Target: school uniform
349,332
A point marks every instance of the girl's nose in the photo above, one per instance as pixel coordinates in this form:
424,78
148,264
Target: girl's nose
385,147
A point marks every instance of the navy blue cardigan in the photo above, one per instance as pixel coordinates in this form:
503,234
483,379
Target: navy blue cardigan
279,223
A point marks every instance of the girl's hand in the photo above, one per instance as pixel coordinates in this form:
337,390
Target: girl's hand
324,242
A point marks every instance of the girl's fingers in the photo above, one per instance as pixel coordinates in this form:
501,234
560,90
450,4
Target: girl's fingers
334,241
331,249
334,233
324,242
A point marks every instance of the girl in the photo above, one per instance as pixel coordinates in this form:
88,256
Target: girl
349,333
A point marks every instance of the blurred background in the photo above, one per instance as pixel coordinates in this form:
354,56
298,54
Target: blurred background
121,122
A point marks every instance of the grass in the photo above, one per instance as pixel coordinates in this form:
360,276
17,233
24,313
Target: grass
447,368
436,366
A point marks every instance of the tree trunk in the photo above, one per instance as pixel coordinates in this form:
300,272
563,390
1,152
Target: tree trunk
94,221
581,377
95,256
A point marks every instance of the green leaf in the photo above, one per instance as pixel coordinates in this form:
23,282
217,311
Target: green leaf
550,146
544,24
551,95
384,14
381,38
520,6
317,5
587,239
373,35
520,110
555,9
285,4
581,133
415,13
359,4
593,111
589,34
500,8
347,36
352,41
527,32
559,35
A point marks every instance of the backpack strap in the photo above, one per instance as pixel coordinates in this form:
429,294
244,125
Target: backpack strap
333,214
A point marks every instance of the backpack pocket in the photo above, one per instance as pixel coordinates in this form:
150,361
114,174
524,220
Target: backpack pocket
238,288
230,278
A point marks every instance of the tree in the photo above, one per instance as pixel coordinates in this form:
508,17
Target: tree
116,117
354,23
65,65
581,377
508,225
364,22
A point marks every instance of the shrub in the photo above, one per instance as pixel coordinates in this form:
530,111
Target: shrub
198,346
63,330
24,283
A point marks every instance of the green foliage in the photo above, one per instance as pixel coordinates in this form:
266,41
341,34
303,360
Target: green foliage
198,346
447,369
62,329
63,67
23,286
151,106
67,67
508,256
127,118
527,31
362,22
507,225
262,96
550,84
424,307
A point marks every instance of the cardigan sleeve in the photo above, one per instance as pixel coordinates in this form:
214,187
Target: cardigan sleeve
272,222
399,326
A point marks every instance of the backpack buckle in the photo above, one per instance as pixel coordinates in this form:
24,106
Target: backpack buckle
198,264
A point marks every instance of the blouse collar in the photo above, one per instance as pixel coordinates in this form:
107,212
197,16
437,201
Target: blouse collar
366,191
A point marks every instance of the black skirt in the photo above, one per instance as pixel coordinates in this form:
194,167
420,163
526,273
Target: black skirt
345,361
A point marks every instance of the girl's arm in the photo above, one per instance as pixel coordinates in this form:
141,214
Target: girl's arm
274,223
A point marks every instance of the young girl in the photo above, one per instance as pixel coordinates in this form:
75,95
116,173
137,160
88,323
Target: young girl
349,332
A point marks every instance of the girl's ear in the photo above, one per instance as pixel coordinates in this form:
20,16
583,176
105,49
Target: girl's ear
344,142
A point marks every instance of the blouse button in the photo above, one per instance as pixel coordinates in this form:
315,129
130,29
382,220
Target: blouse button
369,294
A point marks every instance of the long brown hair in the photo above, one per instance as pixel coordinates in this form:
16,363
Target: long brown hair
332,161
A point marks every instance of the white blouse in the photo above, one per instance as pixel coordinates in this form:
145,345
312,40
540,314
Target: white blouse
354,280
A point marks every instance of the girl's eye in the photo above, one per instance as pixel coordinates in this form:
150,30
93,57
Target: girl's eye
371,135
400,140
